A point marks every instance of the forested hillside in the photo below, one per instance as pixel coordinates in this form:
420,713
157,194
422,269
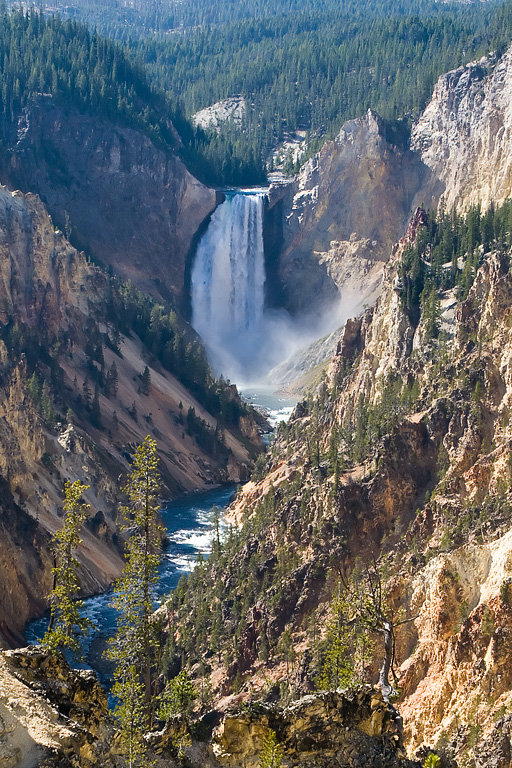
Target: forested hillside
79,69
299,65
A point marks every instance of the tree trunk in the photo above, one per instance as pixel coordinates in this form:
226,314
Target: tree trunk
386,688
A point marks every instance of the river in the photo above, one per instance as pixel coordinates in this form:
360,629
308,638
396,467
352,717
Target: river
189,526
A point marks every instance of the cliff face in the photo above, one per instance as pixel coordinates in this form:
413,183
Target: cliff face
53,302
464,135
341,214
115,194
402,458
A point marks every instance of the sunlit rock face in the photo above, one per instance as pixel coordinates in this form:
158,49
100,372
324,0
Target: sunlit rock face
464,135
341,215
346,207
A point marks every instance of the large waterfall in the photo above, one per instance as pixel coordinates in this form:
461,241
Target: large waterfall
228,286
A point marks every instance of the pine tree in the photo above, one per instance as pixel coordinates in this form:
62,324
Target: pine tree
337,668
272,753
66,624
145,380
34,389
132,647
178,698
46,405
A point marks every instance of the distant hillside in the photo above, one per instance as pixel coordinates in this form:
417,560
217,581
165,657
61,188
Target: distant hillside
298,64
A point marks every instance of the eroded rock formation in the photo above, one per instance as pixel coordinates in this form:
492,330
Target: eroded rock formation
54,717
340,216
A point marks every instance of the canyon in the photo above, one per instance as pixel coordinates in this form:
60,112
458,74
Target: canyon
54,296
428,499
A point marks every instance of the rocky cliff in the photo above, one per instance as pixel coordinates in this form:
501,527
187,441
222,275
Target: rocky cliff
400,464
463,136
55,717
53,305
341,214
127,203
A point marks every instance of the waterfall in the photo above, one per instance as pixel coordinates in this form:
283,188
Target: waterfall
228,285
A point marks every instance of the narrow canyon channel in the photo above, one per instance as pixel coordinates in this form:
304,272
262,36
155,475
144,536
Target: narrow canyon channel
228,311
189,525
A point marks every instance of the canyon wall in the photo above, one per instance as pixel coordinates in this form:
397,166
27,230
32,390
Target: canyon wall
341,214
127,203
339,217
464,136
53,303
430,501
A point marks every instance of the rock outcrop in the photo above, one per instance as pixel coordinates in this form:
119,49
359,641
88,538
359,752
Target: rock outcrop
127,203
333,729
464,135
53,716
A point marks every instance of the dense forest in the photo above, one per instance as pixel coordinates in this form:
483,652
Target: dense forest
79,69
299,65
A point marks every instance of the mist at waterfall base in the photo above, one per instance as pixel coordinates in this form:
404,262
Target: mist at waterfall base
244,339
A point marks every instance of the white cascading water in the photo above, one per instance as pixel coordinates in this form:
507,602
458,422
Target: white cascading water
228,285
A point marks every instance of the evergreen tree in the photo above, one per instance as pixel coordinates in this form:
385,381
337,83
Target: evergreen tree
337,668
145,380
34,389
111,380
66,625
178,698
133,645
47,410
272,753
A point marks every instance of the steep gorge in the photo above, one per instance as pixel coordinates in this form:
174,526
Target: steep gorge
129,204
54,305
402,456
342,213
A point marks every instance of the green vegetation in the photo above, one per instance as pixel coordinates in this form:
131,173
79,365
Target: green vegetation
311,69
337,653
79,69
67,626
272,753
134,645
446,253
178,697
298,66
